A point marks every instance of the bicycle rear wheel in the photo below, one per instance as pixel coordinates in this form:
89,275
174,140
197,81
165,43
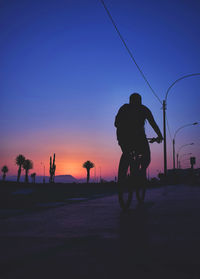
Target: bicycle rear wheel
125,194
140,192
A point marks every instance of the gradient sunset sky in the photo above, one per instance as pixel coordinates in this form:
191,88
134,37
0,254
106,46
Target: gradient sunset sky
64,74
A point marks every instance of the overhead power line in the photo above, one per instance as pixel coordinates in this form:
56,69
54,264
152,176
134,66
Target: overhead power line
130,53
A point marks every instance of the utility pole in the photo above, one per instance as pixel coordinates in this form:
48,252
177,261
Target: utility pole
164,135
173,153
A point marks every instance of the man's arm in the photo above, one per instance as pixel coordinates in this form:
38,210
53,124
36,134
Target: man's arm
153,124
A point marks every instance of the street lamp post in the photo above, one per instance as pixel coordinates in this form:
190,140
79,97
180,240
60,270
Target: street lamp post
44,175
177,155
164,118
44,171
99,174
173,142
94,174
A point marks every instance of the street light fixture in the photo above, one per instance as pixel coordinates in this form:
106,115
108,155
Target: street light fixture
164,118
173,141
177,155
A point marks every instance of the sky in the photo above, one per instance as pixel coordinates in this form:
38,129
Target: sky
65,73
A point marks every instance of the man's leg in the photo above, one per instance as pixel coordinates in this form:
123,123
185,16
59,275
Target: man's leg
123,165
146,159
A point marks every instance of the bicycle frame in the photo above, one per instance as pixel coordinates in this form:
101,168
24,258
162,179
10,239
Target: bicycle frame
137,179
135,164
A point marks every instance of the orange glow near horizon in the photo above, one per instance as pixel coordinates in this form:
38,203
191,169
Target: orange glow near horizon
66,166
70,155
71,152
70,158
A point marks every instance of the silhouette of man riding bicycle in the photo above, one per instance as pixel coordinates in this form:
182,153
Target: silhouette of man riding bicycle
130,121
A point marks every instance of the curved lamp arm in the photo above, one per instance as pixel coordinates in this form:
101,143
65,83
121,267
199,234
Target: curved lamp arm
195,123
184,145
190,75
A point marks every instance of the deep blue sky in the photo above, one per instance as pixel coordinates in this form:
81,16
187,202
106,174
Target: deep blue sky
64,73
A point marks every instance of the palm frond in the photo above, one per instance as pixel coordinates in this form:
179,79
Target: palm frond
88,165
20,160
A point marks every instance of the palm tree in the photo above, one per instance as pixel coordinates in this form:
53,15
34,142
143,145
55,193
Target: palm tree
4,170
33,175
19,162
88,165
27,165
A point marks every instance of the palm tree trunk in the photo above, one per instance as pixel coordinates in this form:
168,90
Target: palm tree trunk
26,176
88,175
19,173
4,177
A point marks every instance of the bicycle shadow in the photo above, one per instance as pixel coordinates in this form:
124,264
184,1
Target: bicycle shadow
134,237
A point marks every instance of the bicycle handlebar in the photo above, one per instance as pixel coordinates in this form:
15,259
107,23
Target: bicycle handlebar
152,140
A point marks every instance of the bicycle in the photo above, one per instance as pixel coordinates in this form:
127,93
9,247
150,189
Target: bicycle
134,179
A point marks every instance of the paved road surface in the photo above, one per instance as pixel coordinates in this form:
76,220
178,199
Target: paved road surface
94,239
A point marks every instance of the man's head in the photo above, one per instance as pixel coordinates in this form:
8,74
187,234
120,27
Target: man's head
135,99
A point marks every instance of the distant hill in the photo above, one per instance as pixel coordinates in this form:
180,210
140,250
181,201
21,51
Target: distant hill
39,179
65,178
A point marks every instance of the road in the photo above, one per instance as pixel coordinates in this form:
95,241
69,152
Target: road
94,239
